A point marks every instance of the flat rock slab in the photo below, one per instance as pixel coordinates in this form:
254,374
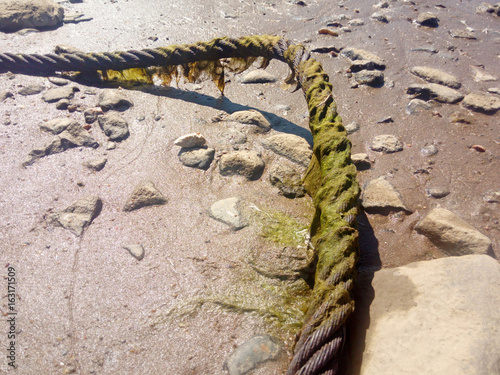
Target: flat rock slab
55,94
435,91
79,215
243,163
200,157
291,146
227,211
33,89
380,196
144,194
250,117
432,317
114,126
436,76
23,14
452,234
360,54
114,100
58,125
250,355
387,143
480,102
258,76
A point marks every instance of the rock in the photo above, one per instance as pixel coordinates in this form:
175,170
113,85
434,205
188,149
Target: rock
415,104
76,18
481,76
136,250
361,161
436,76
91,114
434,91
428,19
58,81
356,22
287,180
228,212
429,49
191,140
359,54
114,126
461,117
359,65
429,150
379,196
144,194
464,34
451,234
412,313
491,90
258,76
58,93
96,164
233,137
386,143
381,5
5,94
385,120
352,127
110,145
200,158
492,196
251,354
115,100
437,193
485,8
33,89
291,146
379,16
22,14
250,117
369,77
480,102
63,104
79,215
243,163
58,125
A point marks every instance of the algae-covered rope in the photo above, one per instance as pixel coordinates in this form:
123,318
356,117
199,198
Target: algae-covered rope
330,179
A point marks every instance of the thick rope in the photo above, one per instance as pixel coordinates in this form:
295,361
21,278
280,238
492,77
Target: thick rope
330,179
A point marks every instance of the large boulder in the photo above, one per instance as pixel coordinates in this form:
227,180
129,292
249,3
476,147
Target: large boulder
22,14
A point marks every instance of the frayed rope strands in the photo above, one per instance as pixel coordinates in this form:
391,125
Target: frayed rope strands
330,178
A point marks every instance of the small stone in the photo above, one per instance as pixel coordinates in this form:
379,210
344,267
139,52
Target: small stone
463,34
228,212
492,196
481,76
250,117
91,114
5,94
478,148
369,77
291,146
114,126
428,19
79,215
359,54
491,90
58,93
191,140
110,146
352,127
58,125
114,100
461,117
96,164
144,194
480,102
451,234
415,104
437,193
63,104
386,143
76,18
359,65
381,5
361,161
436,76
244,163
356,22
136,250
200,158
429,49
379,16
379,196
33,89
434,91
287,180
16,15
385,120
58,81
251,354
429,150
258,76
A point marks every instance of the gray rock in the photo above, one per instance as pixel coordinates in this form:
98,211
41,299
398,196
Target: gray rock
379,196
291,146
200,158
191,140
250,117
58,81
144,194
76,18
258,76
451,234
352,127
63,104
33,89
415,104
463,34
386,143
428,19
228,212
434,91
437,193
385,120
461,117
359,65
22,14
429,49
79,215
359,54
381,5
492,196
414,312
361,161
5,94
96,164
114,126
482,76
251,354
436,76
243,163
58,125
55,94
480,102
115,100
91,114
380,16
429,150
287,180
136,250
356,22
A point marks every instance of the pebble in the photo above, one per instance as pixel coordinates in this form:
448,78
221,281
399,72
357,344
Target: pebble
463,34
114,126
191,140
359,65
287,180
480,102
482,76
114,100
244,163
32,89
379,16
57,125
58,81
91,114
461,117
436,76
110,145
360,54
429,150
361,161
78,216
386,120
291,146
381,5
380,196
136,250
369,77
429,49
253,353
451,234
76,18
492,196
96,164
434,91
258,76
144,194
437,193
5,94
491,90
63,104
415,104
228,212
200,158
251,117
356,22
428,19
386,143
352,127
16,15
55,94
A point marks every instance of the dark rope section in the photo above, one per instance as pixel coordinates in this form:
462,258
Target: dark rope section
330,179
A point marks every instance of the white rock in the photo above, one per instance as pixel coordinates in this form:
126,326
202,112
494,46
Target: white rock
191,140
387,143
